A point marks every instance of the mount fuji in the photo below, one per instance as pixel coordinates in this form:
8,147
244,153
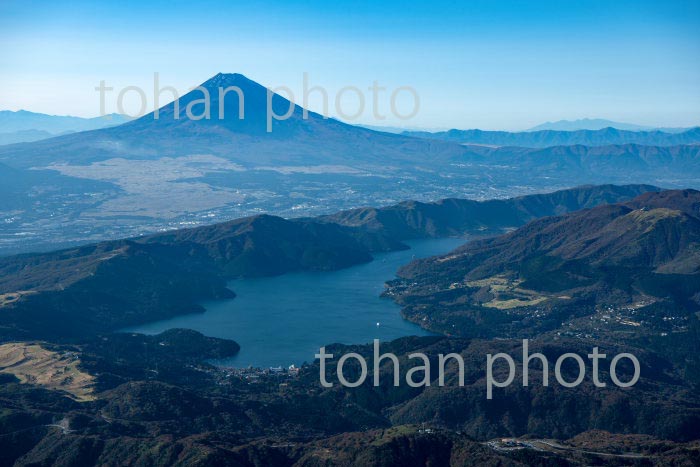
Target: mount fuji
246,141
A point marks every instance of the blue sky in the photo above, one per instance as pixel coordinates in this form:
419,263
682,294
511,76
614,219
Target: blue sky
474,64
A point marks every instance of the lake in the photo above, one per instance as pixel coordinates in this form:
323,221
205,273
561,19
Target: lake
285,319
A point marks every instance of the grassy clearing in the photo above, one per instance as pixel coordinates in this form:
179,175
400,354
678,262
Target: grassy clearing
32,364
507,293
12,297
513,303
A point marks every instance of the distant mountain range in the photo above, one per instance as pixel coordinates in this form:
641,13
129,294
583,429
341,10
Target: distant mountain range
296,140
547,138
629,162
25,126
598,124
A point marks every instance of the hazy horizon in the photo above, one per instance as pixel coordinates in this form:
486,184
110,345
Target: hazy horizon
398,125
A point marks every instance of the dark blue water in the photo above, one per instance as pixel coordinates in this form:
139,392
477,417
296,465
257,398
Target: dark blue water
284,320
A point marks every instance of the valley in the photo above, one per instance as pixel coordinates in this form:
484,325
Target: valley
146,389
129,282
152,175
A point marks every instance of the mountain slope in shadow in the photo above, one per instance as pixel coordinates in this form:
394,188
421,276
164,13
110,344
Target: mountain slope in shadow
632,268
